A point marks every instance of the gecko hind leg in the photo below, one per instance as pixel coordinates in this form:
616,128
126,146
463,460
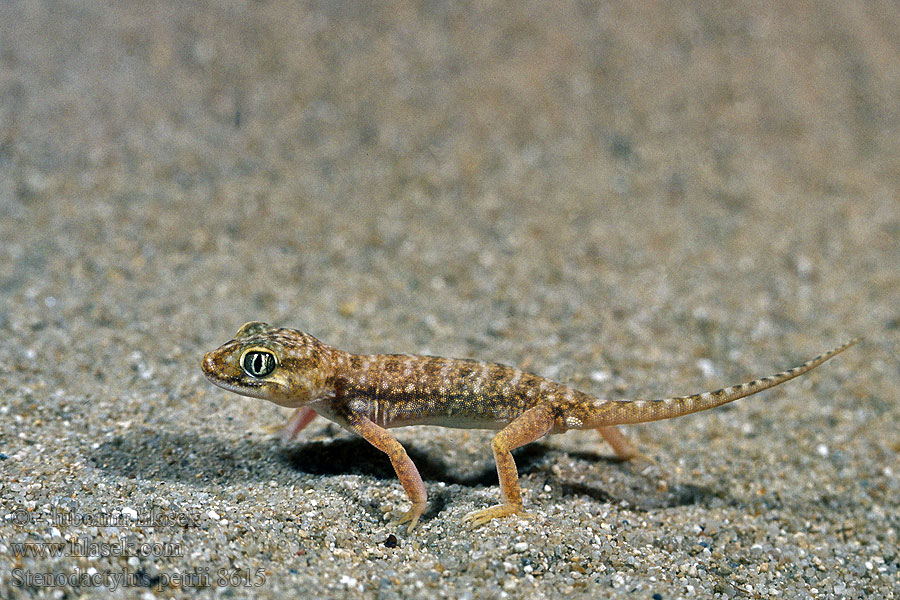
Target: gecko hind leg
528,427
624,449
620,444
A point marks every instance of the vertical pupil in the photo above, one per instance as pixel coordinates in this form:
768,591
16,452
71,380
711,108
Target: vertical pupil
259,364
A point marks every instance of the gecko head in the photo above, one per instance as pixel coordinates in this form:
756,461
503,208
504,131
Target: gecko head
285,366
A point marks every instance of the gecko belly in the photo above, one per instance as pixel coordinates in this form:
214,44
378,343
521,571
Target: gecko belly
438,411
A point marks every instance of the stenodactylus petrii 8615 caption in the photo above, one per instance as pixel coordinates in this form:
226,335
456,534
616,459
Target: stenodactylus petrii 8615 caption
370,393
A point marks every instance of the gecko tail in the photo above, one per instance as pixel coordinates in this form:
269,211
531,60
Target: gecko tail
623,412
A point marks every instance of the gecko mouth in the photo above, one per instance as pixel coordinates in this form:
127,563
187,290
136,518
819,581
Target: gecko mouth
243,390
239,389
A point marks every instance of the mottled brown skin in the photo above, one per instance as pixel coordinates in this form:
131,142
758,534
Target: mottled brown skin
368,394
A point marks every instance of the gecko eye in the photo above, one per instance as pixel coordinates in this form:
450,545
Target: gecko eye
258,363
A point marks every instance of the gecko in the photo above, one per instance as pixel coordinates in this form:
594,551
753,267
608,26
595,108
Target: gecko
368,394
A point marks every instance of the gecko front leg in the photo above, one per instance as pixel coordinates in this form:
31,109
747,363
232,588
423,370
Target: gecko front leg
531,425
301,417
406,471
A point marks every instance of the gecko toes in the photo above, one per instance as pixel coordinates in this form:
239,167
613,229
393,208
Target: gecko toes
480,517
411,516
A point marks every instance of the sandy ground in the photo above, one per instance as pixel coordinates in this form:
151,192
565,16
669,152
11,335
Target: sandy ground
640,199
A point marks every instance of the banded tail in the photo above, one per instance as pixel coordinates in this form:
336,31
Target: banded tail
624,412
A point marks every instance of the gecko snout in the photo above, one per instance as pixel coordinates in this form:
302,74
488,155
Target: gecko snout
208,365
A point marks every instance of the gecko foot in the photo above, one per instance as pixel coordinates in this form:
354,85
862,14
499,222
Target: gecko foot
285,432
412,516
480,517
272,428
638,456
645,464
